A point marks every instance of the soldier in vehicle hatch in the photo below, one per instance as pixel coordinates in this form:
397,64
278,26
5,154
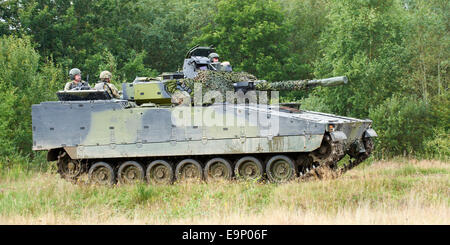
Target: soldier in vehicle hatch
214,58
76,82
105,84
215,63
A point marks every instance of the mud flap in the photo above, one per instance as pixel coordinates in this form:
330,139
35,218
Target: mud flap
338,136
369,133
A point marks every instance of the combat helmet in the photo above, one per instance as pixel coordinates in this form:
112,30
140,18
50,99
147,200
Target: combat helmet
211,56
105,74
73,72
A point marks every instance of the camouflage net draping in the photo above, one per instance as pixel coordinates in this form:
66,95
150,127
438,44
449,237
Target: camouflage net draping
223,81
220,81
285,85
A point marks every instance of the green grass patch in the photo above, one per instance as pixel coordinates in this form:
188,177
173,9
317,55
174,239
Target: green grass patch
410,170
36,194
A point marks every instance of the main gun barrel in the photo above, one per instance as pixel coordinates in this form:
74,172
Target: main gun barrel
298,84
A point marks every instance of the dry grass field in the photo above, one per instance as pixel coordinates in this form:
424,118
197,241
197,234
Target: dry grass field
400,191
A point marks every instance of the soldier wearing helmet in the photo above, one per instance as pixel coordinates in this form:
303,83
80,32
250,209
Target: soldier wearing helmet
76,82
105,84
214,59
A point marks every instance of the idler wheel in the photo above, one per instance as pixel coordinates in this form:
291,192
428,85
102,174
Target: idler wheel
188,170
102,173
248,168
280,169
130,172
159,172
218,168
68,168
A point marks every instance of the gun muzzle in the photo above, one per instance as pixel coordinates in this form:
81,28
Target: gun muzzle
328,82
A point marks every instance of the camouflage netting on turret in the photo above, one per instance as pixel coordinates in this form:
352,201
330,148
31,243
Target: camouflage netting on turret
211,81
285,85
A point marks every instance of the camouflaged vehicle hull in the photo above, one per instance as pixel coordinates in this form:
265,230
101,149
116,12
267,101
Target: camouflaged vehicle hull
112,129
117,131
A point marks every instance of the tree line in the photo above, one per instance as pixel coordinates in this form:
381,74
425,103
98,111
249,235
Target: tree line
394,52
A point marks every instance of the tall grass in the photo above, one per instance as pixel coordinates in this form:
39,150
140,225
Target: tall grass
402,191
17,166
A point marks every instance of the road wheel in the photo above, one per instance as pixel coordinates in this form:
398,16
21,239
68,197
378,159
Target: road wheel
102,173
159,172
218,168
130,172
280,169
248,168
188,170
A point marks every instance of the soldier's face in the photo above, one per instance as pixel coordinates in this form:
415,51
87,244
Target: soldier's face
77,78
215,59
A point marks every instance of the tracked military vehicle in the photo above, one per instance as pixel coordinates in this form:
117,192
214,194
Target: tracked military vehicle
148,136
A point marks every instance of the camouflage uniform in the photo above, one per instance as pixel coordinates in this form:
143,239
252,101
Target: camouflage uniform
225,66
105,84
71,85
181,98
108,87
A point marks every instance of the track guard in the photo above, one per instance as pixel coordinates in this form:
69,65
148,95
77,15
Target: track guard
338,136
370,133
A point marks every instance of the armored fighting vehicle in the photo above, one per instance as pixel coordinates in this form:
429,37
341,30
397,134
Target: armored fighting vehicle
149,134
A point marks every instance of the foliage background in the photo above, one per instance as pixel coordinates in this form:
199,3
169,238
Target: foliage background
395,53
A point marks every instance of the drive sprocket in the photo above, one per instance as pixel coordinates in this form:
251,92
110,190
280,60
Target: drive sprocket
325,160
68,168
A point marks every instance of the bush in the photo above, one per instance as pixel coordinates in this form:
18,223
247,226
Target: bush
402,124
23,81
439,145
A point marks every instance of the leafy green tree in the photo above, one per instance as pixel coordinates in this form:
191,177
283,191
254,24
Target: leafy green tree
78,33
364,41
7,126
164,30
427,75
429,45
439,144
306,20
23,82
251,34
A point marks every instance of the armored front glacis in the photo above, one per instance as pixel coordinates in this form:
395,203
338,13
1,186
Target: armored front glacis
145,136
